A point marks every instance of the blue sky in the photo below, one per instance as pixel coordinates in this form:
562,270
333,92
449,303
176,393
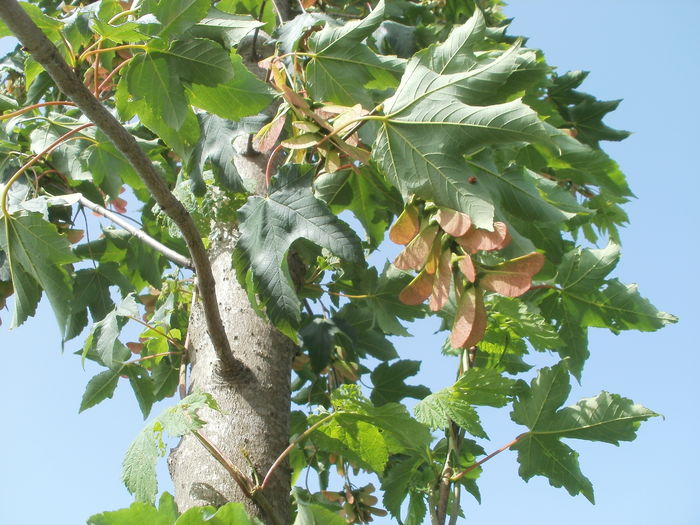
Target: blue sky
60,467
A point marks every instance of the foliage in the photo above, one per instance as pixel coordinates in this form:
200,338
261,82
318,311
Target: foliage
427,115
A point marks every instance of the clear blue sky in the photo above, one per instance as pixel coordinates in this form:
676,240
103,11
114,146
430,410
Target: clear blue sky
59,467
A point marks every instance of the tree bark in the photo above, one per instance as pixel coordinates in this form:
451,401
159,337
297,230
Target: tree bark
252,428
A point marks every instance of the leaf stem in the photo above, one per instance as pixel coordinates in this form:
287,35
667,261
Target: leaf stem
147,357
109,77
108,49
36,106
139,234
461,474
60,140
291,446
268,168
158,331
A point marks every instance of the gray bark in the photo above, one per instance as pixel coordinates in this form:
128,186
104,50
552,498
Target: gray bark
252,428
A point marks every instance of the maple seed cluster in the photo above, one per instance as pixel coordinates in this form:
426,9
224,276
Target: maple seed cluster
429,251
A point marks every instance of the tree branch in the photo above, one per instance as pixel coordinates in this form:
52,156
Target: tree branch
46,54
139,234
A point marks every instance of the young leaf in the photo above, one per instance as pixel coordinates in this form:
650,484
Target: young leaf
139,465
268,228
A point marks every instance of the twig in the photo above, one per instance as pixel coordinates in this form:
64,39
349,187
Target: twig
60,140
139,234
46,54
36,106
291,446
460,475
157,330
243,481
147,357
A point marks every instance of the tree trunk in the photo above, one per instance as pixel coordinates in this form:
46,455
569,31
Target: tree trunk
252,428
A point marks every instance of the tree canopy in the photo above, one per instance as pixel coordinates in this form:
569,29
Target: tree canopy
423,122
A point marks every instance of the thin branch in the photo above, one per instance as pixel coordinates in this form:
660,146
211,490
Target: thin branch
147,357
60,140
157,330
291,446
243,481
36,106
139,234
46,54
459,476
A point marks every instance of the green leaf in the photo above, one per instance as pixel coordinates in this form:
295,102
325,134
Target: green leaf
151,78
382,298
103,339
585,269
359,441
416,510
547,456
99,388
319,337
139,465
310,513
231,513
389,382
476,387
434,118
140,512
36,255
228,28
440,409
582,111
607,417
240,97
109,168
617,307
142,384
548,391
341,64
366,194
519,319
176,16
201,61
358,323
216,147
269,226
